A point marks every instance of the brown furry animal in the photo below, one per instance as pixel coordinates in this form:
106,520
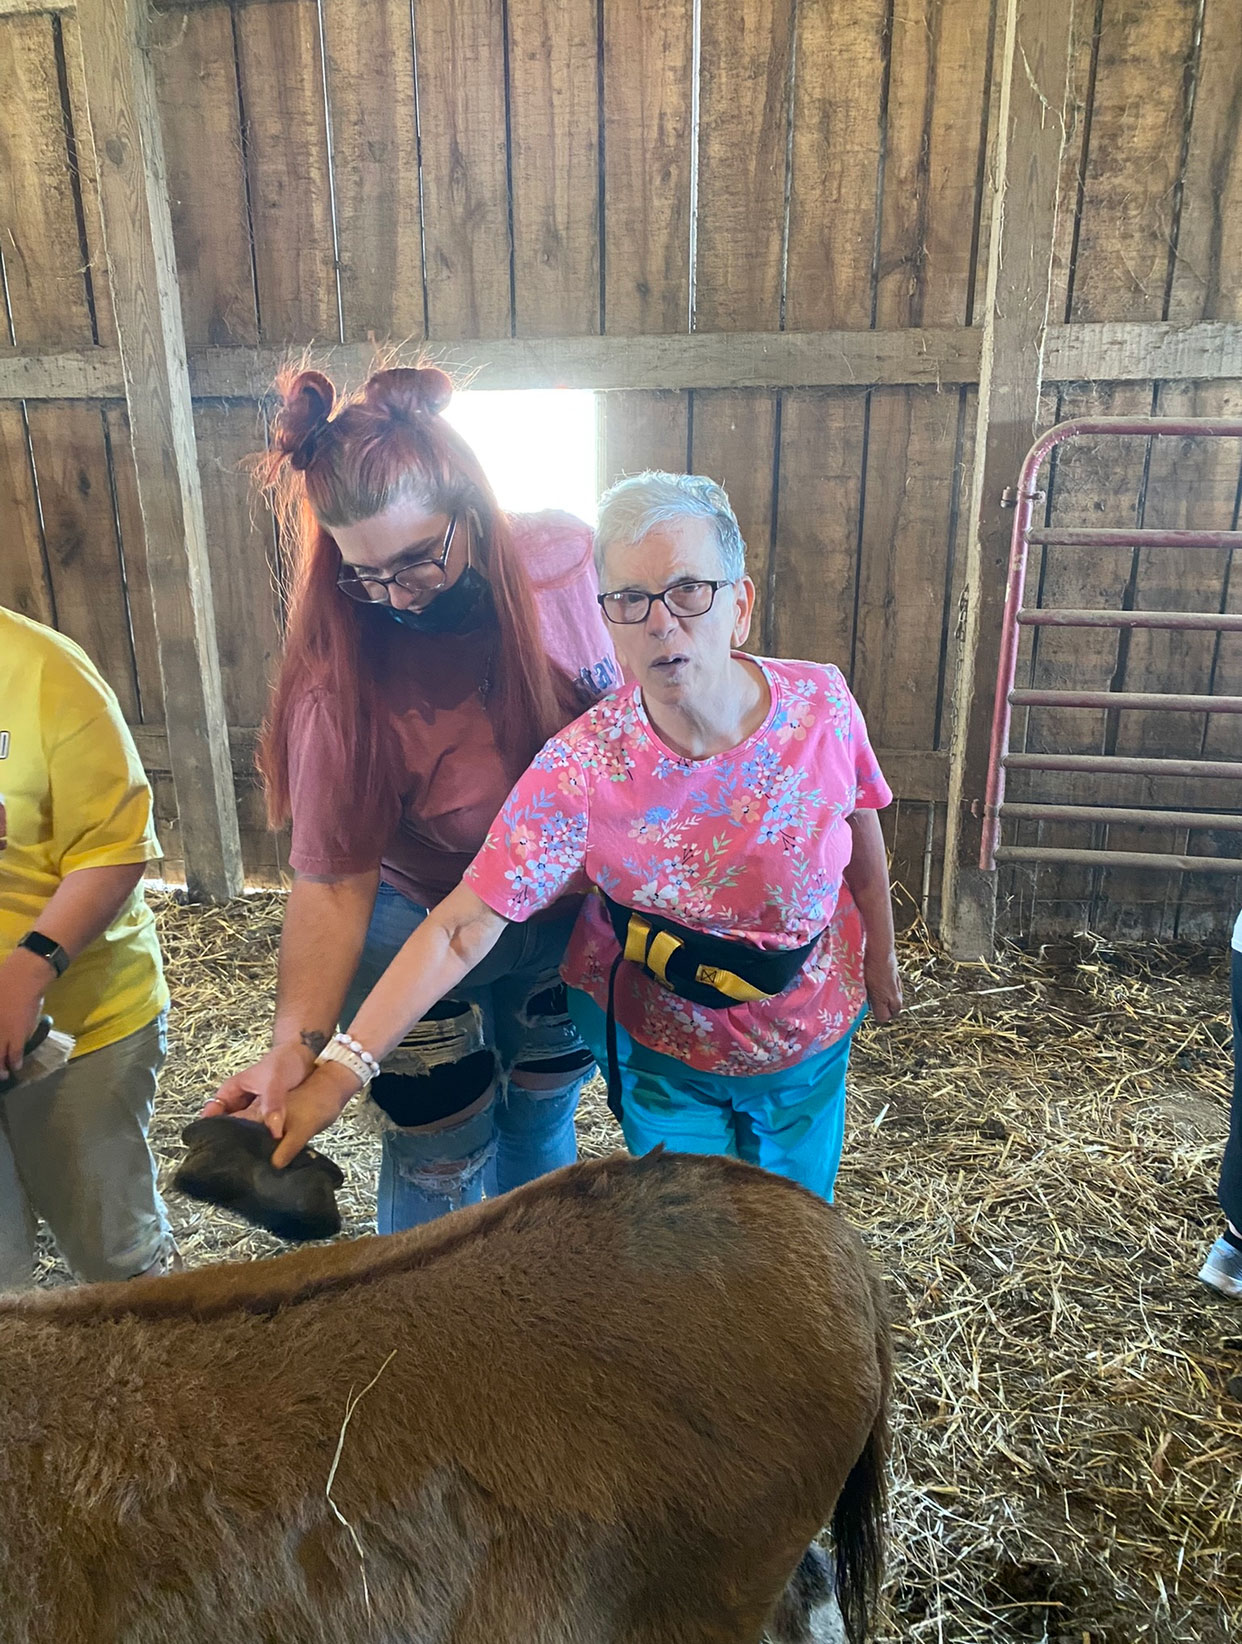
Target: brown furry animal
612,1407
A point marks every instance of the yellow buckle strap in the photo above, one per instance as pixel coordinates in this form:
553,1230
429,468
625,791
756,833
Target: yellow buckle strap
662,950
637,935
733,987
654,952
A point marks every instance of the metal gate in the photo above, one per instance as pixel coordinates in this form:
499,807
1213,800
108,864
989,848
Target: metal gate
1016,616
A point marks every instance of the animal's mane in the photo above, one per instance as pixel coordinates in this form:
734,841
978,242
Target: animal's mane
264,1286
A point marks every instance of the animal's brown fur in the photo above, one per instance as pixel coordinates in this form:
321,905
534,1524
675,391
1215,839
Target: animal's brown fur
622,1401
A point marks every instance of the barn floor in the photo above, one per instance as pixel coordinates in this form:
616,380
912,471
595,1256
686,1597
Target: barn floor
1031,1156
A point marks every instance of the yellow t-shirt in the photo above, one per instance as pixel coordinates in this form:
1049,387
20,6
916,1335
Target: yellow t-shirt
74,795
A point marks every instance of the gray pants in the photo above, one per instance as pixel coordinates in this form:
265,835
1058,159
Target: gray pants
74,1150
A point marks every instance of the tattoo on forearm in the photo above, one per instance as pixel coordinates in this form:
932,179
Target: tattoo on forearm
313,1039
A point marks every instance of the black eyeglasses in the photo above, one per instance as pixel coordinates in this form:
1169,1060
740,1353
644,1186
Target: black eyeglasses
684,599
424,576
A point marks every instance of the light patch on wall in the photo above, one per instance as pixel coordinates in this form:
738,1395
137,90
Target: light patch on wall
538,447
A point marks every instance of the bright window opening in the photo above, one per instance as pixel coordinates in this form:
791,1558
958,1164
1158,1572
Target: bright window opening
539,447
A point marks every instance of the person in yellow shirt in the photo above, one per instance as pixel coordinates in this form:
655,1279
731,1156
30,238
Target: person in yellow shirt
77,943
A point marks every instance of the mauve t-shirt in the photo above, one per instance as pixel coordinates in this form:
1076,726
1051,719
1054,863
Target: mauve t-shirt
456,779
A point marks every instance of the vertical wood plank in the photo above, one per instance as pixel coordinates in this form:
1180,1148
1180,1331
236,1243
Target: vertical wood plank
902,568
75,497
261,849
959,551
1035,45
987,200
904,826
371,98
242,578
196,77
80,587
1083,53
1206,283
133,539
87,183
936,100
167,829
24,586
648,67
745,82
837,143
732,439
461,108
936,130
814,580
743,126
554,127
641,430
125,131
42,248
287,156
935,869
1132,160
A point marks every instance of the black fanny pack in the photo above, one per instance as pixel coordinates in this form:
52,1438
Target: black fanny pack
706,970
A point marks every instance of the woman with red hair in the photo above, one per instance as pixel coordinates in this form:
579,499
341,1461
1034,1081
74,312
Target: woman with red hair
433,645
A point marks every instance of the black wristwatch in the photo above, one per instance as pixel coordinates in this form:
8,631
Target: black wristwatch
46,949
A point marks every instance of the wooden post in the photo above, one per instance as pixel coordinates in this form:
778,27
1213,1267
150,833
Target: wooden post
1031,136
125,129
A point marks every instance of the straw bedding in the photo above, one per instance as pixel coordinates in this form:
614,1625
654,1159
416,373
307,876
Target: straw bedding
1031,1155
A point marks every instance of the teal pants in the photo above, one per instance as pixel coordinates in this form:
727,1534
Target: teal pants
791,1123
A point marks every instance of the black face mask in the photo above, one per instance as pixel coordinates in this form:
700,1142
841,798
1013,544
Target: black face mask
468,604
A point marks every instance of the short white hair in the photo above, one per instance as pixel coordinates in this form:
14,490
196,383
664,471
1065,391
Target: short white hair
636,505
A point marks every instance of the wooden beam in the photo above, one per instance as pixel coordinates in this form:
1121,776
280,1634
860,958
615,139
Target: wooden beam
1140,351
1111,352
29,8
915,774
1031,134
24,8
698,360
151,742
125,131
89,374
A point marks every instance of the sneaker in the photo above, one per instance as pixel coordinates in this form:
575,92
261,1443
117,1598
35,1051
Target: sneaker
1223,1269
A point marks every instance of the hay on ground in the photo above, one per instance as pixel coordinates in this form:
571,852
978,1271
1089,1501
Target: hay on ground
1031,1155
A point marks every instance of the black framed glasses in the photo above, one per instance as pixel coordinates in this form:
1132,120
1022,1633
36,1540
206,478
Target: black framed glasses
423,576
629,606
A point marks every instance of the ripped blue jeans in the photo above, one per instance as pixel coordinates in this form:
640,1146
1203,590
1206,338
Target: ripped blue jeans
483,1098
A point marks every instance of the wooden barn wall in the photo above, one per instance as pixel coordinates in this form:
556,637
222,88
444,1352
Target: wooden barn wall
1158,237
511,168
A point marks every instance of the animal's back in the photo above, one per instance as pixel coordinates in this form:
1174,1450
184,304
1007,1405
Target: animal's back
630,1385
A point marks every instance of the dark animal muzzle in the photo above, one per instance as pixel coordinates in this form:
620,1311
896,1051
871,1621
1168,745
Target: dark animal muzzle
229,1164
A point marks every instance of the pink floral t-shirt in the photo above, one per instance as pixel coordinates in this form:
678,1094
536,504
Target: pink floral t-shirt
750,844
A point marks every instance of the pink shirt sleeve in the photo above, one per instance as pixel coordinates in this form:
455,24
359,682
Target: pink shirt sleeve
535,851
326,834
873,792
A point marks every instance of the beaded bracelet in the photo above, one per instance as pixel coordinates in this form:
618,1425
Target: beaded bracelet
349,1053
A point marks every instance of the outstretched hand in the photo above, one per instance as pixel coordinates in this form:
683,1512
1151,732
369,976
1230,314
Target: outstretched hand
289,1093
260,1089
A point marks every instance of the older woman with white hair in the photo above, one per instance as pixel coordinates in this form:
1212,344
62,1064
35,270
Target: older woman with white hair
723,808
